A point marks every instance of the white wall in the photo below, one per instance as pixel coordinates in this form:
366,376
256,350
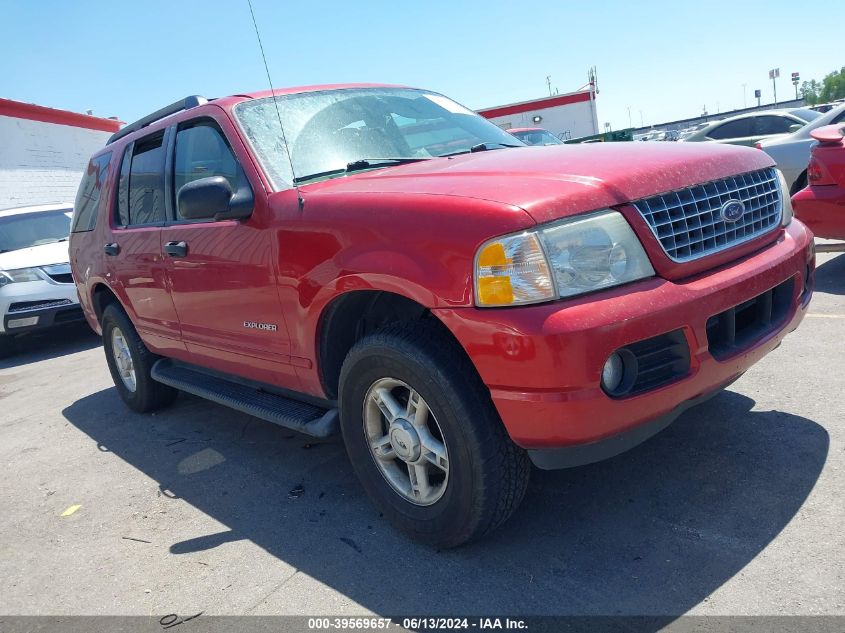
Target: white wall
572,120
43,162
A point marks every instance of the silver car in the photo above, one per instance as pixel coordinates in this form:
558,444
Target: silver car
753,127
792,152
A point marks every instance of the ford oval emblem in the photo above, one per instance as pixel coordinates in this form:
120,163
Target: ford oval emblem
732,210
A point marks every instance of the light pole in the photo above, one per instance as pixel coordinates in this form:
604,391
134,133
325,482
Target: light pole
641,119
744,102
630,122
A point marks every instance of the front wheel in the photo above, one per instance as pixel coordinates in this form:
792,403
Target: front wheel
130,363
424,437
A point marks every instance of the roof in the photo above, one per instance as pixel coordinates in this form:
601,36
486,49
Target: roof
536,104
32,112
36,209
279,92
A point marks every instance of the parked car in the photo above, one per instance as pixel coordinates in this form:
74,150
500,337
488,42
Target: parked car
822,204
752,127
792,152
36,287
535,136
383,261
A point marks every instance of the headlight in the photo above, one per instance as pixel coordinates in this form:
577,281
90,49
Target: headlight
512,271
786,216
563,259
21,274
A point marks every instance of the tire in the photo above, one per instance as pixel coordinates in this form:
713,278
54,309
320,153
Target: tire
487,473
147,394
7,346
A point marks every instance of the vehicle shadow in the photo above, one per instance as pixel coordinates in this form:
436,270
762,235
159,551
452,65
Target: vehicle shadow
52,343
653,531
830,276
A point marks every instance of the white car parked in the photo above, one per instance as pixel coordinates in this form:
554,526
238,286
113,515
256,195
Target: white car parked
36,286
792,152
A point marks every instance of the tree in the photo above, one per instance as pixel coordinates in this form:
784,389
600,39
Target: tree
810,92
833,86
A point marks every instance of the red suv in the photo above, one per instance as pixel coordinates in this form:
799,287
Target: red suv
381,261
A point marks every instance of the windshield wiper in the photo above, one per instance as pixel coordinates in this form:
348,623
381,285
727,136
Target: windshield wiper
481,147
358,165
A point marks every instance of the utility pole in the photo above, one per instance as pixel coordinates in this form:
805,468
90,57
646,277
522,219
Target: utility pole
549,83
774,73
641,119
630,122
744,103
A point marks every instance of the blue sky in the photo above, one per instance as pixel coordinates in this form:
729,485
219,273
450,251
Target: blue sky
665,59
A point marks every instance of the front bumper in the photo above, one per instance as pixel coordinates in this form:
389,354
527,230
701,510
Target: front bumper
543,363
36,305
822,208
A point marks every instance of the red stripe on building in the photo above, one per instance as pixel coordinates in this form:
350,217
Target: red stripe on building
18,110
537,104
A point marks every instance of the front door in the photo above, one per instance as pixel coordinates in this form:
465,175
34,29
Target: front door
222,273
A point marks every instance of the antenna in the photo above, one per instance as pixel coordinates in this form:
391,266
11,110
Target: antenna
276,104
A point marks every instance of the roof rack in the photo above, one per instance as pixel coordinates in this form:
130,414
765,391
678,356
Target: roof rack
185,104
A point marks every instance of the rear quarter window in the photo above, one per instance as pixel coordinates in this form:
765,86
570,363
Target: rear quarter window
88,197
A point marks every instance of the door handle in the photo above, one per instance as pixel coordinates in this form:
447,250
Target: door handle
111,249
176,249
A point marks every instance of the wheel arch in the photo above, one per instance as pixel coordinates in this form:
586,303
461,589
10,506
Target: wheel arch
352,315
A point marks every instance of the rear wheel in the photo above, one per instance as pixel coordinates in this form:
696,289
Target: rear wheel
799,183
424,437
130,363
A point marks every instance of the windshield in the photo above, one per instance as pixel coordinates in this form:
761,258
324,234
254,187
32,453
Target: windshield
328,130
33,229
538,137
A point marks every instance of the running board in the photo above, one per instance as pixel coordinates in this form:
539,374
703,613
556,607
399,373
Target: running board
287,412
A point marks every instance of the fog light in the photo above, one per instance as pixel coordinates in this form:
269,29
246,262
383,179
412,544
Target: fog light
612,373
22,322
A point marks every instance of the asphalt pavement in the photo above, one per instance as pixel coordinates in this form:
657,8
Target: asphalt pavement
735,509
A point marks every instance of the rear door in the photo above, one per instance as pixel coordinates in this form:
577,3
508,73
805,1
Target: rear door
222,275
768,125
133,250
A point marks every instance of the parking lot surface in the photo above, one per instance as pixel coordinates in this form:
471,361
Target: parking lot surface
735,509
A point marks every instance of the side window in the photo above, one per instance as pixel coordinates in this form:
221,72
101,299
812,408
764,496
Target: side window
838,118
123,188
202,152
732,129
140,190
773,124
88,197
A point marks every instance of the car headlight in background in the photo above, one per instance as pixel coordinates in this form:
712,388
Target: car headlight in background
21,274
563,259
786,216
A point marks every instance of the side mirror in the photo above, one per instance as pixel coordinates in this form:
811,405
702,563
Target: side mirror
795,127
212,197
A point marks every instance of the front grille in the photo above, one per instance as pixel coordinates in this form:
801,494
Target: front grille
737,328
60,273
689,223
62,279
26,306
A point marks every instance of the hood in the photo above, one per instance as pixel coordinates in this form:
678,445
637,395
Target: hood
558,181
42,255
